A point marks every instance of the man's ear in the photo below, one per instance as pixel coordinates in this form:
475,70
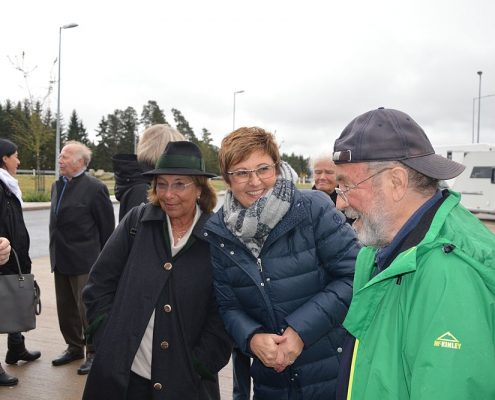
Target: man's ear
399,182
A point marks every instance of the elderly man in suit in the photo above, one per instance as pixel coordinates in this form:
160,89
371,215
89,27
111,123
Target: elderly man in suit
81,220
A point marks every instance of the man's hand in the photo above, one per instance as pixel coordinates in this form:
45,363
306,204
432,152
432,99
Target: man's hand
4,250
265,346
288,350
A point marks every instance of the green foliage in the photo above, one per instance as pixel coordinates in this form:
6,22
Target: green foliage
183,126
116,134
36,196
76,130
210,153
32,128
299,163
152,114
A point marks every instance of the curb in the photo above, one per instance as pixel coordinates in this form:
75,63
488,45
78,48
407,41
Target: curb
45,205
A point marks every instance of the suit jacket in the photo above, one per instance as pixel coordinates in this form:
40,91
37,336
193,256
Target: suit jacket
83,223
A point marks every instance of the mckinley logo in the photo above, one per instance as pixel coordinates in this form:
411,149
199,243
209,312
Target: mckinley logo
448,341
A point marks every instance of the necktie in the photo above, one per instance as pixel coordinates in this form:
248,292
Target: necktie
66,181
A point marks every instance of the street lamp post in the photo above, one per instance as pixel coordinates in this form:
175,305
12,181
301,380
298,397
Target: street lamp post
233,114
474,108
57,131
479,107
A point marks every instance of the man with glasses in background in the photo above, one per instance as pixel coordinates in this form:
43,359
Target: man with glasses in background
422,316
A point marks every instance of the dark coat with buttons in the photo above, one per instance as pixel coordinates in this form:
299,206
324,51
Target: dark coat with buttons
136,275
303,279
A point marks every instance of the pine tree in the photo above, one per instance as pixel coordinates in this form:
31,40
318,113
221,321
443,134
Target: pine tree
152,114
102,153
76,130
129,128
183,126
209,152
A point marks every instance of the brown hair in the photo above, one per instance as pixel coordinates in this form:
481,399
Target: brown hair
241,143
207,201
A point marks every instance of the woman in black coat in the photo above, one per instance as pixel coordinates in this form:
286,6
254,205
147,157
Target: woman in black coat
151,293
13,228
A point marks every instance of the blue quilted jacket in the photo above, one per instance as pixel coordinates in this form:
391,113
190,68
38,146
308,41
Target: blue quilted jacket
303,279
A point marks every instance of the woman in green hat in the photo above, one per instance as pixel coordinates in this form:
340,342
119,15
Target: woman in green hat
150,295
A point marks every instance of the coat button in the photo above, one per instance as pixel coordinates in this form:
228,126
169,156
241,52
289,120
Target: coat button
157,386
167,308
222,245
164,345
167,266
339,349
232,253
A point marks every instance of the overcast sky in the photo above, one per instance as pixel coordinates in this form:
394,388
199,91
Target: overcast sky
307,67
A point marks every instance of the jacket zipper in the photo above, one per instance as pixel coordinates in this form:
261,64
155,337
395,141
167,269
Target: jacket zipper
260,270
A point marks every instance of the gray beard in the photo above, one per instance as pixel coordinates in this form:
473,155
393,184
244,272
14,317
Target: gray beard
373,226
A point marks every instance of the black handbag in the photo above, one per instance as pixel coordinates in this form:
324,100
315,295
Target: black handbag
20,301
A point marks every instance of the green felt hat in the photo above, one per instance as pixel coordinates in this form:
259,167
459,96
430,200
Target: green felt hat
180,158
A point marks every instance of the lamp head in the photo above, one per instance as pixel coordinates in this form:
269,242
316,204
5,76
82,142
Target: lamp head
69,26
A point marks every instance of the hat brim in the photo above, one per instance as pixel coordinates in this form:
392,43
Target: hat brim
178,171
435,166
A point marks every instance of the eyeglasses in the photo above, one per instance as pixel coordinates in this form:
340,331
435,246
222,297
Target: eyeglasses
343,193
175,187
243,175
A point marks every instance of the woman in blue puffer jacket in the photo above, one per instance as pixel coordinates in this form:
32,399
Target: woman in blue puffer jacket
283,268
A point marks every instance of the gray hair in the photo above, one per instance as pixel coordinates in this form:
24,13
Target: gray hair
154,140
418,182
81,151
321,157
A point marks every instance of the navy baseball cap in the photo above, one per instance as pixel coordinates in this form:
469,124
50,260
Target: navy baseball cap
391,135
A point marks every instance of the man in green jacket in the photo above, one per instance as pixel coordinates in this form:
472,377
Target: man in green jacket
423,310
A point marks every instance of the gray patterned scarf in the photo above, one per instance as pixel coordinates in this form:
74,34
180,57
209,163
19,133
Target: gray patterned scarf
252,225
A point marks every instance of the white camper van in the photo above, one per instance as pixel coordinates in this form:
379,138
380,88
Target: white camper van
477,183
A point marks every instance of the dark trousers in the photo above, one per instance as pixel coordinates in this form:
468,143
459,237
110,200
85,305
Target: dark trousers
241,364
139,388
71,311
